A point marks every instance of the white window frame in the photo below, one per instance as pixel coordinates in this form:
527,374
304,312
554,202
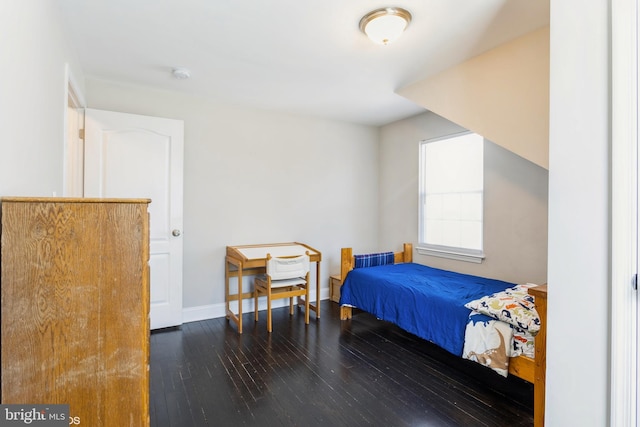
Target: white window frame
423,248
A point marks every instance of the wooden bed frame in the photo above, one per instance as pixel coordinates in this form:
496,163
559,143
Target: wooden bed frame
531,370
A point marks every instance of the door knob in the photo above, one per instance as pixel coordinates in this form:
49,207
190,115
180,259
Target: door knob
176,232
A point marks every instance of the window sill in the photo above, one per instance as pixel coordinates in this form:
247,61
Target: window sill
450,254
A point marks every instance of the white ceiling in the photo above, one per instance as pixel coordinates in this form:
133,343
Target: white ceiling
295,56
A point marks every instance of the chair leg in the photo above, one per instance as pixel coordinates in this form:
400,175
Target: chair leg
291,306
255,307
269,310
306,305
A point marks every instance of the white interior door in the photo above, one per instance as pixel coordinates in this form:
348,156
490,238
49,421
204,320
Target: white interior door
133,156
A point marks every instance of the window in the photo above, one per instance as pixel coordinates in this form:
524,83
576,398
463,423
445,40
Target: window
451,197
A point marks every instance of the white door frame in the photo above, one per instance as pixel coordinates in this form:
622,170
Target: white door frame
624,213
73,144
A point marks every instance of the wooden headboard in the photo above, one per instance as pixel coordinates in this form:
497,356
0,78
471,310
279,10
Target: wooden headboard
347,259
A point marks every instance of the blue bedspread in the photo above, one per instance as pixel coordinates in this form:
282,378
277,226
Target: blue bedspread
425,301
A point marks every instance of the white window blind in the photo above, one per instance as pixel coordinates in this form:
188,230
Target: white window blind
451,196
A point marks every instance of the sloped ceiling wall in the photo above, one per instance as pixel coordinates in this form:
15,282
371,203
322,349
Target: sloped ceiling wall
502,95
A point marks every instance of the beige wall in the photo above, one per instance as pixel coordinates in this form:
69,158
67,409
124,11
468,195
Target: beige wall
32,98
502,95
239,164
515,203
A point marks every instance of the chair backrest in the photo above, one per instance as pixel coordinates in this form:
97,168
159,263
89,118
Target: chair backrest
287,268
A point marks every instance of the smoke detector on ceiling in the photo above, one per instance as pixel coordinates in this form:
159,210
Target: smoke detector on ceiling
181,73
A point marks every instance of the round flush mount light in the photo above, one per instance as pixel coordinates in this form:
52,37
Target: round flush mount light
385,25
181,73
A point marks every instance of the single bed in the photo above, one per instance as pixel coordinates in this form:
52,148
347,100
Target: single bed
403,295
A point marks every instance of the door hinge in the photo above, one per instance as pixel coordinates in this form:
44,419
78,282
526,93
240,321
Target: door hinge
635,282
81,134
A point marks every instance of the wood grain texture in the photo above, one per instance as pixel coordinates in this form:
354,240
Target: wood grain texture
75,307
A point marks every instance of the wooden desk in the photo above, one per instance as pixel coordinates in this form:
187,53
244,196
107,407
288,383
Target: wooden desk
252,260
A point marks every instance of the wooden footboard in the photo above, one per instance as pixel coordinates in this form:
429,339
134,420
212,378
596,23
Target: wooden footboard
540,294
523,367
534,370
531,370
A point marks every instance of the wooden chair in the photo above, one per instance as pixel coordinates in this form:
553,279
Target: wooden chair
286,277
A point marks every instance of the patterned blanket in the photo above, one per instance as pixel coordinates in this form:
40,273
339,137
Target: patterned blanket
500,326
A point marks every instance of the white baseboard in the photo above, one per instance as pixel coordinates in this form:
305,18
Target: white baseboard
213,311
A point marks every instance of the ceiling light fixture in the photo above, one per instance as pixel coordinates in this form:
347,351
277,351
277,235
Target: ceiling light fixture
181,73
386,24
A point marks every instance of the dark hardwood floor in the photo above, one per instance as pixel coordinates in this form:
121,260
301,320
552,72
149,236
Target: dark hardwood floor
329,373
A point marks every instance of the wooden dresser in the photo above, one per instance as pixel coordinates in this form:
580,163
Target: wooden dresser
75,307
